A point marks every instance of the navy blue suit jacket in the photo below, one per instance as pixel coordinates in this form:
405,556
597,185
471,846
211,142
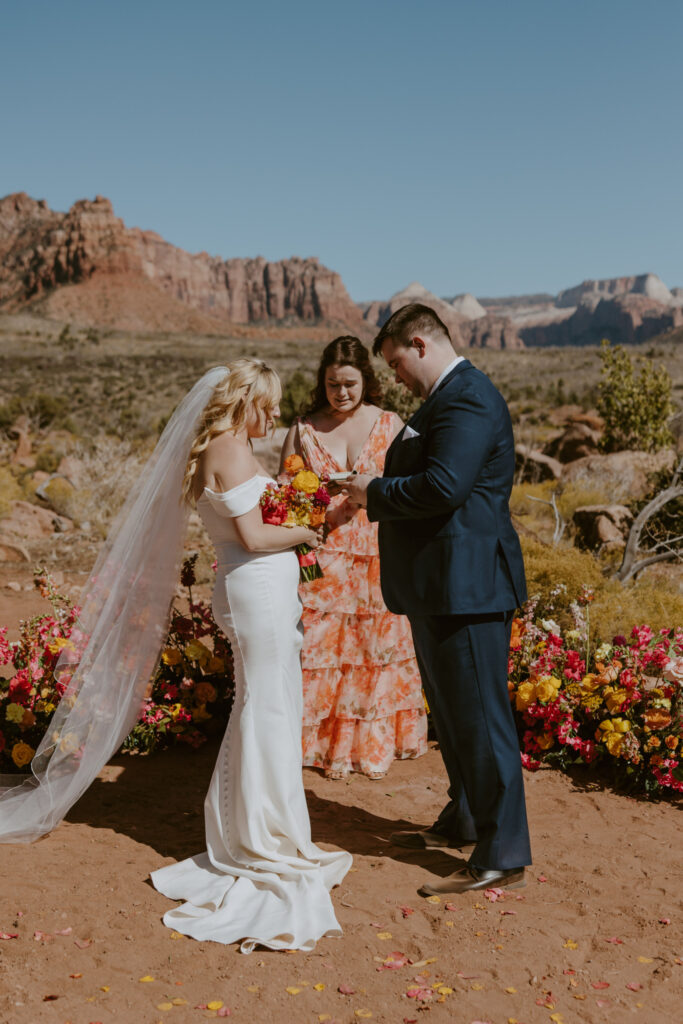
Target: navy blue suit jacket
447,544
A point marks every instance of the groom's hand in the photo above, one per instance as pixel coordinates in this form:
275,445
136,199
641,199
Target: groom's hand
356,487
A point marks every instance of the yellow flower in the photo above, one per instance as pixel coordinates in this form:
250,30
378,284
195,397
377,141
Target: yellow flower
68,743
614,699
306,481
215,665
22,754
614,742
589,682
171,656
14,713
526,695
175,710
195,650
545,741
547,688
59,643
200,714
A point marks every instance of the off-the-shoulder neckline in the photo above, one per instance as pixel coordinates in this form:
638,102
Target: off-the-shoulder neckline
237,487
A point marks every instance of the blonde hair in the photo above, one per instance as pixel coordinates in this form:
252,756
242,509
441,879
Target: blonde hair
249,383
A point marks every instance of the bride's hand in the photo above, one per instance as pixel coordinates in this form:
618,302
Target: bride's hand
314,538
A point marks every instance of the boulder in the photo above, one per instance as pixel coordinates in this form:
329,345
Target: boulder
577,441
28,522
533,466
623,475
73,469
602,526
13,553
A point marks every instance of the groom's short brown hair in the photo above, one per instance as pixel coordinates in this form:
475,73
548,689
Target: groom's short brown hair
408,321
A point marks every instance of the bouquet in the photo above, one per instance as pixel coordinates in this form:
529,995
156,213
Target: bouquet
301,501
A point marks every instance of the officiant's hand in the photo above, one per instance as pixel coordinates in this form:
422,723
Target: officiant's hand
356,487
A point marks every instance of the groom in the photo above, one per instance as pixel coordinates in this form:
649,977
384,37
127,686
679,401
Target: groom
451,561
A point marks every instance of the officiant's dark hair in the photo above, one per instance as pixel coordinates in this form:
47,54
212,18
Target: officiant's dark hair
346,351
407,322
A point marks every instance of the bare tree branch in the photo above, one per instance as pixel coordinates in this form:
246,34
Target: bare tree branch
560,522
631,564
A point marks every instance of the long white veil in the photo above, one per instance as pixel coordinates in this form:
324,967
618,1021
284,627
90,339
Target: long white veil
116,641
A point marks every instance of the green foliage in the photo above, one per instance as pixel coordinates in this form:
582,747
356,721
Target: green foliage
397,398
43,410
634,405
296,395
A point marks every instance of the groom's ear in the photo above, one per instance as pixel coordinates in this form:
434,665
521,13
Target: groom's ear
418,344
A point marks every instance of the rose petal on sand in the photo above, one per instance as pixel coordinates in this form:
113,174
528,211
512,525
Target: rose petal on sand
569,971
511,912
215,1004
293,990
423,994
84,943
9,935
79,975
224,1011
570,944
64,931
164,1006
319,987
493,894
665,920
600,984
542,878
384,936
603,1002
363,1013
450,906
42,936
406,911
645,960
346,990
433,899
147,977
634,986
615,941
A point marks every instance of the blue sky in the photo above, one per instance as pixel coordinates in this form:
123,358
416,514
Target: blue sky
473,145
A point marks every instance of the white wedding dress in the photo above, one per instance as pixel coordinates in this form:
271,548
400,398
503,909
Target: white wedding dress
261,879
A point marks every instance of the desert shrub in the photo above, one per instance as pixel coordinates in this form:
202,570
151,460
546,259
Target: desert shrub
63,497
43,410
634,401
397,398
540,517
617,607
9,490
296,394
666,525
110,467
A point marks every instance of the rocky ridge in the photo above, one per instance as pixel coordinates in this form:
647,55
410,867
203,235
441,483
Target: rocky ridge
42,251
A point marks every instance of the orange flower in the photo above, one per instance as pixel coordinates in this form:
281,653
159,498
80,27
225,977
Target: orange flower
316,518
657,719
205,693
293,463
671,742
518,631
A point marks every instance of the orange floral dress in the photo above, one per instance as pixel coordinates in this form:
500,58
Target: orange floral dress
363,703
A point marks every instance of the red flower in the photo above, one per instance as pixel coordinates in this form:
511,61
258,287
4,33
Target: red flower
20,687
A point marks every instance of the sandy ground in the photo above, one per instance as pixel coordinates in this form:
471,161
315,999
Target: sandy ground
595,936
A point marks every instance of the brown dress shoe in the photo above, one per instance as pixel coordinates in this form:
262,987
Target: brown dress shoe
471,879
428,840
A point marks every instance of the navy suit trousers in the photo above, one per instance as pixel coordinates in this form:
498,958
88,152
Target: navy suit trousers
463,663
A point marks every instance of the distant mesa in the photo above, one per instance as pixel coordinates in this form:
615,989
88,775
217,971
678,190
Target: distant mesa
86,265
482,331
589,293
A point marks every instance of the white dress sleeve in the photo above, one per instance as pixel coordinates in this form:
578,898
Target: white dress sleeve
237,500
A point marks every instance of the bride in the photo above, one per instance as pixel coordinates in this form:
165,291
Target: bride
261,879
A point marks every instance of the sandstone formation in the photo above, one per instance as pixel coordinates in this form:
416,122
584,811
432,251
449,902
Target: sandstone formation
482,332
577,441
533,466
626,319
589,293
621,475
468,306
602,526
41,250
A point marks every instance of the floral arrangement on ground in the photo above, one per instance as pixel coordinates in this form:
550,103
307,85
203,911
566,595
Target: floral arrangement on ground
576,700
616,704
189,696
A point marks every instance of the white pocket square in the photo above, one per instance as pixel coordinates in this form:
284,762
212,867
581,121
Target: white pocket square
408,433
